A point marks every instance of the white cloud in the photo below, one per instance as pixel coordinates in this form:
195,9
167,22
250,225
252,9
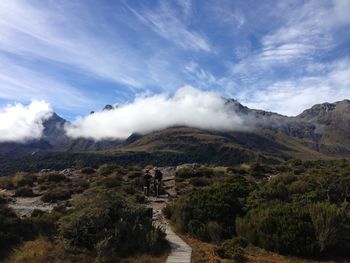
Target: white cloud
188,107
21,123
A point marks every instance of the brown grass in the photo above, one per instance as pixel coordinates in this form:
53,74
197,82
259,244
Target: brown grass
41,250
202,252
146,259
205,253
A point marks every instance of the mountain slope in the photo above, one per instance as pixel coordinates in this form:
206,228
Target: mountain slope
320,132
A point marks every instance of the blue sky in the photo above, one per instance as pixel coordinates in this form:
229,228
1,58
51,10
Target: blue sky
281,56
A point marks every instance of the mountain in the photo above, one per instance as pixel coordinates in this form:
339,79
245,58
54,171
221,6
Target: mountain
54,139
321,132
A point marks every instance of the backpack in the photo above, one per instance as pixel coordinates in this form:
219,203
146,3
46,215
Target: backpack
158,175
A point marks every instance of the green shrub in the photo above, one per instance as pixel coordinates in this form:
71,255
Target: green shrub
187,172
24,192
45,224
130,190
134,174
214,231
2,200
232,249
199,182
111,181
168,211
56,195
88,170
220,203
103,222
106,169
258,170
52,177
6,182
140,199
13,230
328,223
22,179
283,228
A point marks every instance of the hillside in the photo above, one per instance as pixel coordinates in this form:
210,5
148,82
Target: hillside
321,132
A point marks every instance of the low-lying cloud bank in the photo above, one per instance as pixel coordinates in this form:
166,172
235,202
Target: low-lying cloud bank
188,107
20,123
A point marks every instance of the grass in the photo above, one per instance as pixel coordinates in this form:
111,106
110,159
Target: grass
146,259
41,250
203,252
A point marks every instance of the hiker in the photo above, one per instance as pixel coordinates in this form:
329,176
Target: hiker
146,183
158,176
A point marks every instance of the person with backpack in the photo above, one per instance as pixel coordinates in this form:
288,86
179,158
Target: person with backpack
158,176
146,183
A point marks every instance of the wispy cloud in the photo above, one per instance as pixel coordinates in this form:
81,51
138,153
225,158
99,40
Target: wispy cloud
75,53
186,6
164,21
291,97
18,83
306,33
61,32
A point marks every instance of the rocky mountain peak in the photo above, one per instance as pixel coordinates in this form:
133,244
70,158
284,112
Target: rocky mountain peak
108,107
324,110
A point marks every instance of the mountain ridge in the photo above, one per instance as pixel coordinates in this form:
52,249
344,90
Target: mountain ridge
321,131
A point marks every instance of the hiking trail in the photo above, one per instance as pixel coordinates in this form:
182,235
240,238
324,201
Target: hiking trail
180,251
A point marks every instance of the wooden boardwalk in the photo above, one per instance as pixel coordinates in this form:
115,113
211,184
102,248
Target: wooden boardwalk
180,251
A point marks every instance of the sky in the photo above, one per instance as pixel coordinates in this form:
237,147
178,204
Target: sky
77,56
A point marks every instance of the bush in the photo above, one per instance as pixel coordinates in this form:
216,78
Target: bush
283,228
6,182
199,182
106,169
88,170
103,222
45,224
140,199
168,211
111,181
258,170
52,177
13,230
130,190
21,179
2,200
274,190
134,174
24,192
328,223
56,195
214,231
220,203
187,172
42,250
232,249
